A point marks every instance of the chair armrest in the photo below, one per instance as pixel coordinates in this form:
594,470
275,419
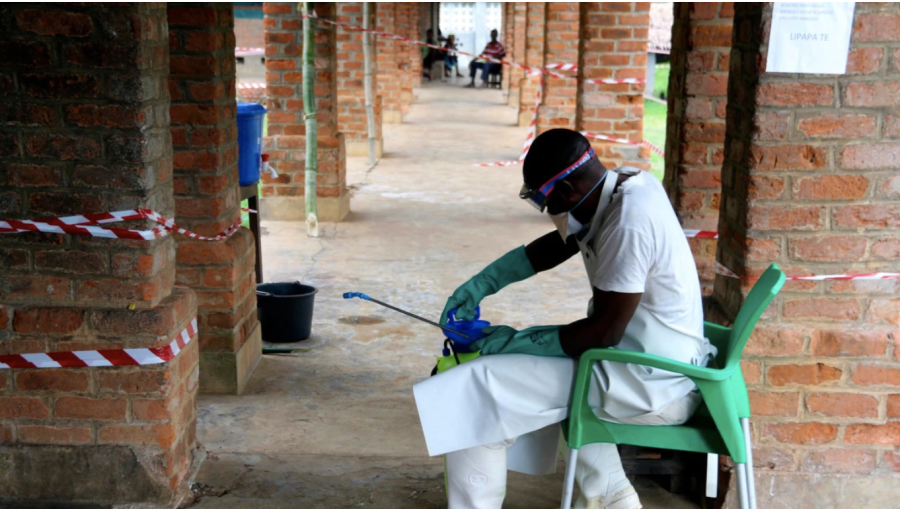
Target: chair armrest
653,361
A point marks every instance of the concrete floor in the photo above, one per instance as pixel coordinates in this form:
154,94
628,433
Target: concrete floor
334,425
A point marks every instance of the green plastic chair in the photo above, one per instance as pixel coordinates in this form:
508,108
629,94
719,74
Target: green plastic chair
720,426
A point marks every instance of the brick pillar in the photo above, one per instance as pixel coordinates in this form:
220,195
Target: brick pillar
207,197
558,108
351,94
535,32
811,182
614,45
695,130
516,53
388,66
286,142
507,40
407,54
84,128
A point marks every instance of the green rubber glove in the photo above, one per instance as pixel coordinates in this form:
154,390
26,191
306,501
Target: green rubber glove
542,341
510,268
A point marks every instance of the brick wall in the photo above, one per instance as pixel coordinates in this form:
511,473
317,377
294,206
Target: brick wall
811,182
207,199
614,45
695,132
535,31
507,22
387,63
558,107
407,54
351,93
249,33
286,142
84,128
516,38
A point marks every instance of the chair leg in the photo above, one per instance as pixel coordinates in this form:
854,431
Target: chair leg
742,485
751,480
569,486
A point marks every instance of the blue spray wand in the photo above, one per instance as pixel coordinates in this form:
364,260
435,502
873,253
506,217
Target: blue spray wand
350,295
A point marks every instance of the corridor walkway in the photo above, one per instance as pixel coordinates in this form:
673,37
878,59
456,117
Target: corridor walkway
334,425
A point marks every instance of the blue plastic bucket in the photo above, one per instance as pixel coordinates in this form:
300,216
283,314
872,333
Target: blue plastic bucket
250,131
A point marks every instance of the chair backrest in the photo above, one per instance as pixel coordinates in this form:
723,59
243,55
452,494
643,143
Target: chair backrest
761,295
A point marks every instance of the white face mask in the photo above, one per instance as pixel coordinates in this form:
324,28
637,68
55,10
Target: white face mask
566,224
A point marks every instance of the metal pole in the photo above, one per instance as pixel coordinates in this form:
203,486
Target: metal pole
367,63
309,115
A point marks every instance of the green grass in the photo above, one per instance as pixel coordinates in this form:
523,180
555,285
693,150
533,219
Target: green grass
655,132
661,80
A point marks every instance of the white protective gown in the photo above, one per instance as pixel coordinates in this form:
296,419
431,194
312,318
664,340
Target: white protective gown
504,397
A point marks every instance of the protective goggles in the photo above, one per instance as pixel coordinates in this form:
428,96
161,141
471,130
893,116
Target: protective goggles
538,197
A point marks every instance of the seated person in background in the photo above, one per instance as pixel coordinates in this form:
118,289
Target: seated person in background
493,50
450,60
429,55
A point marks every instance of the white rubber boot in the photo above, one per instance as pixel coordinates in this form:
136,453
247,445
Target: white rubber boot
476,477
602,480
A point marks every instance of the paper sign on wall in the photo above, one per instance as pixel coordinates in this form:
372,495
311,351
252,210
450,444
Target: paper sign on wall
810,37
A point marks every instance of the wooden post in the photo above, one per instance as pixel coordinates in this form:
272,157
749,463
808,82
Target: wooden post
309,115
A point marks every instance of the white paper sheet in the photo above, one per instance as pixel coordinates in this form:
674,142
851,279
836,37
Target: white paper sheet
810,37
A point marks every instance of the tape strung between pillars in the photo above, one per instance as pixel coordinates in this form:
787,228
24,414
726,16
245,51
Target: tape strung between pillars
88,225
103,358
725,271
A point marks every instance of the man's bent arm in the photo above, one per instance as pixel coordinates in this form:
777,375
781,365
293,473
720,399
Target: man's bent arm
549,251
603,329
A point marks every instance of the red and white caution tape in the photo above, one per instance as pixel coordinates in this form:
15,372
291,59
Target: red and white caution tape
624,141
103,358
725,271
562,67
251,85
701,234
88,225
242,51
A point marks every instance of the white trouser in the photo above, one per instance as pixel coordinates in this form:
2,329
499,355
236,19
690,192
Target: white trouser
476,477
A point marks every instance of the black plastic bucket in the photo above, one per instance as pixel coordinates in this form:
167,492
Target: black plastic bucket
285,311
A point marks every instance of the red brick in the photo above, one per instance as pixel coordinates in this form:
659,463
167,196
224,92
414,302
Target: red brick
794,94
706,84
53,435
886,434
52,380
48,320
205,253
192,16
805,374
886,249
774,342
276,8
868,216
838,461
710,35
831,187
762,187
203,42
28,287
150,409
833,248
768,126
30,175
848,343
829,126
893,405
784,218
704,10
103,409
802,433
18,407
162,435
159,320
136,382
104,290
58,204
72,262
774,403
872,94
62,147
870,156
4,324
761,249
773,458
878,27
43,22
822,308
27,115
892,460
752,372
787,157
200,114
871,374
838,404
864,60
25,53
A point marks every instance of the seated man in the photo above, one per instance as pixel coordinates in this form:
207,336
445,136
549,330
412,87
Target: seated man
493,50
646,297
450,59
